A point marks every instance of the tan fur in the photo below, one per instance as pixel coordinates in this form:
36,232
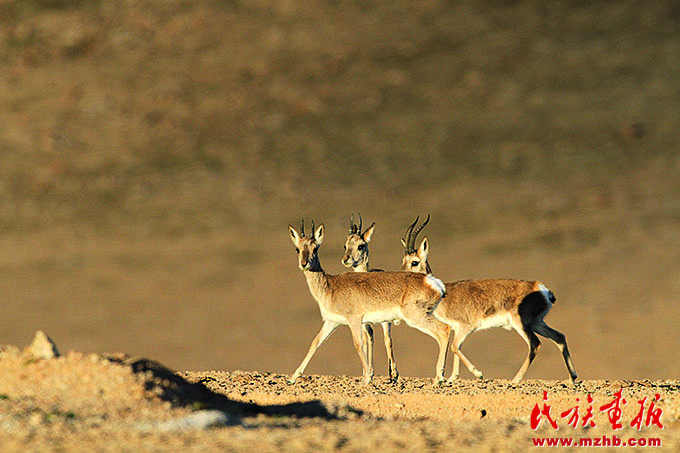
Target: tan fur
470,301
355,298
481,304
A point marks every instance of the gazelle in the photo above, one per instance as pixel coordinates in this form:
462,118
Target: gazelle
354,298
356,257
482,304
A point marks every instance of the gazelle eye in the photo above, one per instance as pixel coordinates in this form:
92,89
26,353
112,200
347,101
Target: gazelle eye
414,263
297,250
361,247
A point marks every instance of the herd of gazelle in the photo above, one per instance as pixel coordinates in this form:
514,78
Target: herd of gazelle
367,296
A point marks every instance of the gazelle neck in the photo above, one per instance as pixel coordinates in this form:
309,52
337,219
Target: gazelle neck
364,267
317,281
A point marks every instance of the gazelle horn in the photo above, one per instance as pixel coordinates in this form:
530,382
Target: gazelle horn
418,230
408,248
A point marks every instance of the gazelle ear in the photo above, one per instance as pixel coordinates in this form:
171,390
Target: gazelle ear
423,249
318,234
368,233
294,236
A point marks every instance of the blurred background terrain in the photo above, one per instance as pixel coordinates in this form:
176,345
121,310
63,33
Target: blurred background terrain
154,152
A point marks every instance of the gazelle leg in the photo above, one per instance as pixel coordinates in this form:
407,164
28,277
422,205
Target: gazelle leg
355,326
455,372
367,334
391,363
443,342
534,345
441,332
458,338
561,341
327,329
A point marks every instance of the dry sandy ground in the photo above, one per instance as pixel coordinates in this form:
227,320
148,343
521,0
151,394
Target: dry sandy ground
89,402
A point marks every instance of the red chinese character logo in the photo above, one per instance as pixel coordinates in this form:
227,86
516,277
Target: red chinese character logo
653,414
573,414
536,414
613,410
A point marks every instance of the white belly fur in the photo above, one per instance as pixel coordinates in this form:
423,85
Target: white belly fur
500,320
390,315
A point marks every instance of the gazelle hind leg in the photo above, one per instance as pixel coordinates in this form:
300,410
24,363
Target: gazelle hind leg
560,340
356,327
534,345
327,329
391,363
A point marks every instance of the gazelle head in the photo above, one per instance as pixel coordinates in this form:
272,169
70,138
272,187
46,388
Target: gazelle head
415,260
307,247
356,247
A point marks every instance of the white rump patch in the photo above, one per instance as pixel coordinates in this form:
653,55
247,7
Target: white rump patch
546,293
435,284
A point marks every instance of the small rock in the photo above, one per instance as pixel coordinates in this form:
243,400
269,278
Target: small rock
43,347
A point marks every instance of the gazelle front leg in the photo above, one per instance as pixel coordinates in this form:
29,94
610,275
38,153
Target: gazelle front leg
459,336
443,342
327,329
367,334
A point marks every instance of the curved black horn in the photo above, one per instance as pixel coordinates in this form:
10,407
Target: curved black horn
408,248
361,223
351,224
302,228
313,229
418,230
